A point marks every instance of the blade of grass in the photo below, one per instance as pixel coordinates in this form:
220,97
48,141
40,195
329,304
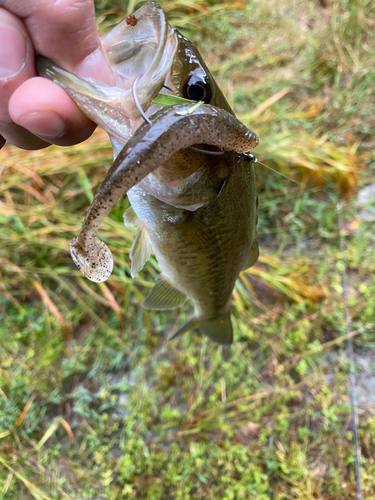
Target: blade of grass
34,490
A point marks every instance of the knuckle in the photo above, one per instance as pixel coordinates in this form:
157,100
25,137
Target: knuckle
72,11
70,28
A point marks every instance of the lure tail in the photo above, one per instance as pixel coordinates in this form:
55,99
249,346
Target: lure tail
217,329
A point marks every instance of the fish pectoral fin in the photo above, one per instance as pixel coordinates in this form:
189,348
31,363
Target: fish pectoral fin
252,257
195,232
163,296
140,250
217,329
130,217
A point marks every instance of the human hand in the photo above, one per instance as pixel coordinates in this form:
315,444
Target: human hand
35,112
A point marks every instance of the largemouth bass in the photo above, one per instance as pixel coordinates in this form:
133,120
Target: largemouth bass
186,171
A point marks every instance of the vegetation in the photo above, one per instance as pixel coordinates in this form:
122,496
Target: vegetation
94,402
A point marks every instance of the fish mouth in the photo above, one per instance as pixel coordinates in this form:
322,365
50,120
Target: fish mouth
142,47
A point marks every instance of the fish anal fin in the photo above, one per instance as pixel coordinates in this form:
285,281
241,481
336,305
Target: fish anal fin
130,217
217,329
190,325
163,296
195,232
140,250
252,256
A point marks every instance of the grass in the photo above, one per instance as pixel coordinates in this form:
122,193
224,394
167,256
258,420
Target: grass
93,402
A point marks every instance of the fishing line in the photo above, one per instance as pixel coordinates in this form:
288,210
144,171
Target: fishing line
349,343
276,172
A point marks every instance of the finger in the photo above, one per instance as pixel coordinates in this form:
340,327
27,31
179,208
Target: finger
22,138
48,112
65,31
16,65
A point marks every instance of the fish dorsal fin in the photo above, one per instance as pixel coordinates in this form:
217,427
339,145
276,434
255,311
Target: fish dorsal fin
163,296
130,217
140,250
252,256
195,232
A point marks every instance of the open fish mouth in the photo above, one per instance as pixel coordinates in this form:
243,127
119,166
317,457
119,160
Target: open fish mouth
142,49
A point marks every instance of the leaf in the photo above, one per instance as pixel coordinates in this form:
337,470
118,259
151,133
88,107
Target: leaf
170,100
25,410
51,429
34,490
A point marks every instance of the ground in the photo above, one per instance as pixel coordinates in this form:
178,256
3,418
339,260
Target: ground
94,402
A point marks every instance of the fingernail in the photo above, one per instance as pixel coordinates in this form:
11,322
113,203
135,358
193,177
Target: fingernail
13,50
96,66
44,124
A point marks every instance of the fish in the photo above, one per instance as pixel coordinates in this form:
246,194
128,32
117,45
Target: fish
187,171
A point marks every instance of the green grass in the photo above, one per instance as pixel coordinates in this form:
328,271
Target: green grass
94,403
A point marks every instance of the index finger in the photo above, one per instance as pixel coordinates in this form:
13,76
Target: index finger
64,31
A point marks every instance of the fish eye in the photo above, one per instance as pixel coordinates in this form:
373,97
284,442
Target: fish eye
197,91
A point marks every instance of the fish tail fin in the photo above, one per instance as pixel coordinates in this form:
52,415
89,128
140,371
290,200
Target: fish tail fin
217,329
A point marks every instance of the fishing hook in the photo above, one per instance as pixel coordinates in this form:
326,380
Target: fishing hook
168,88
136,101
204,152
